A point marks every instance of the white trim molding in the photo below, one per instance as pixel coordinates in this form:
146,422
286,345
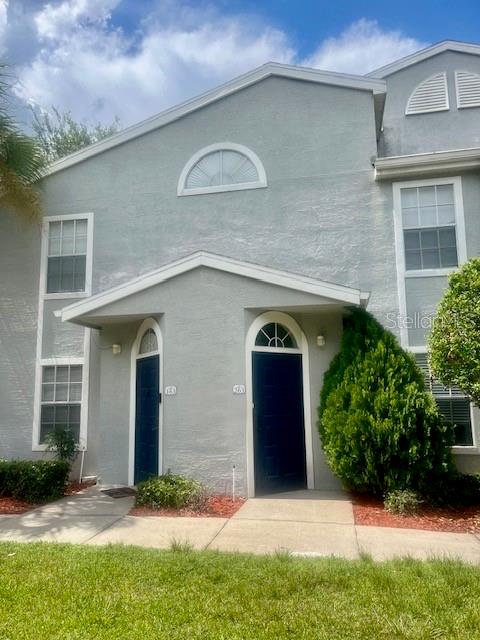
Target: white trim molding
402,273
260,321
261,183
424,54
270,69
148,323
334,292
421,164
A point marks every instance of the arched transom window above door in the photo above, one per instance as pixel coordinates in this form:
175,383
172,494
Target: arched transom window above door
275,335
222,167
148,343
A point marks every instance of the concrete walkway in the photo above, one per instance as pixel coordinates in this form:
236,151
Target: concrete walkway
310,523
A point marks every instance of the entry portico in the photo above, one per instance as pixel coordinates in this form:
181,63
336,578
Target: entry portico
237,352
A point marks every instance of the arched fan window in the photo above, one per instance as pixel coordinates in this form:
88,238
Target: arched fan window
275,335
222,167
149,342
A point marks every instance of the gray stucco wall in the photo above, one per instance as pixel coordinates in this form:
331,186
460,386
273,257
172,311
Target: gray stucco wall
19,276
204,316
320,215
440,131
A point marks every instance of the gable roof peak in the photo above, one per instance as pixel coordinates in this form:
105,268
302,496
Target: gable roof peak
363,83
424,54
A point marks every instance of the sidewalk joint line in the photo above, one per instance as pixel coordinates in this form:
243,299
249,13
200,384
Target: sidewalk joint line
217,534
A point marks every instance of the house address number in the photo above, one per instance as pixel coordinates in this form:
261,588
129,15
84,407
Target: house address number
238,389
171,390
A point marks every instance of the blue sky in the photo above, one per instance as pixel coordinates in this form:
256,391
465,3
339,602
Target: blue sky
134,58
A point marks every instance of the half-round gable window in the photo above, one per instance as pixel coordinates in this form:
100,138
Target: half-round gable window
222,167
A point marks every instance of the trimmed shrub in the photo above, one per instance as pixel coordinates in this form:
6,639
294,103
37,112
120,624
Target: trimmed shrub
454,342
169,491
404,502
380,429
455,490
33,481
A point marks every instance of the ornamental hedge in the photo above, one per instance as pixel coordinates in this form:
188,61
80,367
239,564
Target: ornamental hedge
454,343
33,481
379,427
169,491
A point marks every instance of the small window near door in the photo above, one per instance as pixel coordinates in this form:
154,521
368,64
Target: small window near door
275,335
61,400
149,343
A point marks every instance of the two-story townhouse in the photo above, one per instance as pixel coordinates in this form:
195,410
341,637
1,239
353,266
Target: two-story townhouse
185,295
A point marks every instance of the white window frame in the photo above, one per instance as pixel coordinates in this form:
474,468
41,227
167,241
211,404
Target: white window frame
472,449
62,361
261,183
89,257
402,273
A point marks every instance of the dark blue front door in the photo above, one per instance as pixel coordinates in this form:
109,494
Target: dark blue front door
279,435
146,418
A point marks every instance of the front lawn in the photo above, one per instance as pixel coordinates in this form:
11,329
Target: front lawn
80,592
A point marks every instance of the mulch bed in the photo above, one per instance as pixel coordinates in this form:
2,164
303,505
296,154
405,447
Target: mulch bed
370,511
12,506
76,487
215,507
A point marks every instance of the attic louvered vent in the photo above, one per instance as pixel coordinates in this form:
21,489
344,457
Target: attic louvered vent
468,89
430,95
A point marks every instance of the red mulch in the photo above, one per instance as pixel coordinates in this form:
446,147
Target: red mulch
75,487
215,507
13,506
370,511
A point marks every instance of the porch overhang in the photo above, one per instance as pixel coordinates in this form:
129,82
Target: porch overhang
88,311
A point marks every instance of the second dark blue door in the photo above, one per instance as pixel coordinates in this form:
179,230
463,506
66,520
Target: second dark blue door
279,435
146,418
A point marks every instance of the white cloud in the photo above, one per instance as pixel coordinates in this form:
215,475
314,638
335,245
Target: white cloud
56,21
96,71
80,61
362,47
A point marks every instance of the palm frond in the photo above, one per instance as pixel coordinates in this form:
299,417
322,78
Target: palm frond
18,194
22,155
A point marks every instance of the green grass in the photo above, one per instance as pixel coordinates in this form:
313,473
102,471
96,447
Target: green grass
73,592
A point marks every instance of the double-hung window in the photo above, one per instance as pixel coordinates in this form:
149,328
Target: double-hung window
61,399
67,256
429,227
452,403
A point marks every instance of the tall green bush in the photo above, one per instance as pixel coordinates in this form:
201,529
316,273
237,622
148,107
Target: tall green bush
380,429
454,343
